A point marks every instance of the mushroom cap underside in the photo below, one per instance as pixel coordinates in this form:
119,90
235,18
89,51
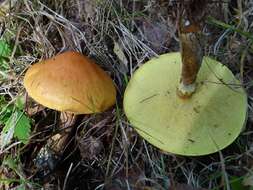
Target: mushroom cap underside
207,122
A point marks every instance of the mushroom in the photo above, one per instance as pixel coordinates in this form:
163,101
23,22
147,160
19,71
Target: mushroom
183,108
72,84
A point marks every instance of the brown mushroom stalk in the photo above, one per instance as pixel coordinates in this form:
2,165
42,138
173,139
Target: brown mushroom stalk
192,55
59,140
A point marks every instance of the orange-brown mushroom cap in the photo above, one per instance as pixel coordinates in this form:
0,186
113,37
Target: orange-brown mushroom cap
70,82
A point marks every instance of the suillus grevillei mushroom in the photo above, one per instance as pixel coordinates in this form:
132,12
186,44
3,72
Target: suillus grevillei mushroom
72,84
185,103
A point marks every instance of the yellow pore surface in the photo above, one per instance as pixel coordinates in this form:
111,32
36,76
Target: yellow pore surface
70,82
207,122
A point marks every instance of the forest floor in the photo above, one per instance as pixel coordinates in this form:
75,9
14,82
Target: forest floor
105,152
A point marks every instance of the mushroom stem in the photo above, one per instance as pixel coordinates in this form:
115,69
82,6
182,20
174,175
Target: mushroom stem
57,142
49,155
191,55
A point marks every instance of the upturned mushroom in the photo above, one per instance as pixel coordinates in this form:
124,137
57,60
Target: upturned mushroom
72,84
183,108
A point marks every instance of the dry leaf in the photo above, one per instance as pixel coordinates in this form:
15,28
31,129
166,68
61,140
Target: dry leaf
119,52
134,180
90,147
90,8
156,34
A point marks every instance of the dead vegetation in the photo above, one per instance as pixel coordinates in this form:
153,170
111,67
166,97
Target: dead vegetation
105,152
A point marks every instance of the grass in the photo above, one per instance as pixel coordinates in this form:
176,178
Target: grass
40,29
